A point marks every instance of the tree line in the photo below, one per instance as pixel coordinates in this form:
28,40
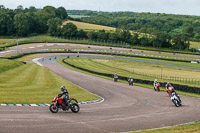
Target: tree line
149,28
179,28
148,22
24,22
175,31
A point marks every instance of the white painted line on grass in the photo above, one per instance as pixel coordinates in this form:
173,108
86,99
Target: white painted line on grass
37,62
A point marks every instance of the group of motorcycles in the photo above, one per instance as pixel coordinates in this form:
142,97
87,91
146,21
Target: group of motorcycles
172,93
74,107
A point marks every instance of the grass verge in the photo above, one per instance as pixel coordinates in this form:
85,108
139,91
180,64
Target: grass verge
30,83
188,128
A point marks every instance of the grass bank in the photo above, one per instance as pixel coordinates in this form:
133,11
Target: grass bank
6,64
30,83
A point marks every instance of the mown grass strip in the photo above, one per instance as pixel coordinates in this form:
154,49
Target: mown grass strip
30,83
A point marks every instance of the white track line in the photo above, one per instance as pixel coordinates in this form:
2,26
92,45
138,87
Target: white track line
37,62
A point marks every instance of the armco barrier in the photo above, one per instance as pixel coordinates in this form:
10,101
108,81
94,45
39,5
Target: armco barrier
184,88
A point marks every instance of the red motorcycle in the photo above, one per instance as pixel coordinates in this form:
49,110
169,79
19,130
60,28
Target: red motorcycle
59,104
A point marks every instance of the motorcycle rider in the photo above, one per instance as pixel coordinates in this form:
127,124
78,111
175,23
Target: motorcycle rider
130,81
169,88
154,83
115,77
65,95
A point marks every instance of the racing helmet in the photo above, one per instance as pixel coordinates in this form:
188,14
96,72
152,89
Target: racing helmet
62,88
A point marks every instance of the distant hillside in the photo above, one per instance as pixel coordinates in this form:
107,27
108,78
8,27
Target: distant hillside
148,22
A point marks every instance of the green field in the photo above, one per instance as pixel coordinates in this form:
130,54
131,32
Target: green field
194,44
30,83
3,41
141,70
87,26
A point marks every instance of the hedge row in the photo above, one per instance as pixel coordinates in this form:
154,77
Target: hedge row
184,88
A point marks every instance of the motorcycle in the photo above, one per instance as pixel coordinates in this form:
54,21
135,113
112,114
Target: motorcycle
176,99
130,82
157,87
59,104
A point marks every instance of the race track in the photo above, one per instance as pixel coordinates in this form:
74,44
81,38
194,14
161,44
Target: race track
125,108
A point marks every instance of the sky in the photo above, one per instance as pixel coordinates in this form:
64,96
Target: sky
185,7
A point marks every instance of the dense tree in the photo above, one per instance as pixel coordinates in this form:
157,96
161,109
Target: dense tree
30,9
22,24
180,41
102,35
69,30
160,40
144,41
19,9
135,39
82,34
6,24
54,26
61,13
92,35
124,35
113,36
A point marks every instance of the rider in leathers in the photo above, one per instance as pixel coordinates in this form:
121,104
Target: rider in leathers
65,95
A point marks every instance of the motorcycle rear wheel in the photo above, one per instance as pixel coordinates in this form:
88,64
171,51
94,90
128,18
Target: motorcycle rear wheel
53,109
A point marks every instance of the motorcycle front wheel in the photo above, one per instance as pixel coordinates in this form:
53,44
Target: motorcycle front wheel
75,108
53,109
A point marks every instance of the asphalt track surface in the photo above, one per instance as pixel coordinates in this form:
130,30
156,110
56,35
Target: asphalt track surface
125,108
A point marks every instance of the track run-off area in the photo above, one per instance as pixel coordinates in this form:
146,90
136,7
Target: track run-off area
125,108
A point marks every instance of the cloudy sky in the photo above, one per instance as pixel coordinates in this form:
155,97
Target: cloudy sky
187,7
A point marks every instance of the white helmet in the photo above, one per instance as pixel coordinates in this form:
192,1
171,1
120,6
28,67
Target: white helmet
62,88
155,80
